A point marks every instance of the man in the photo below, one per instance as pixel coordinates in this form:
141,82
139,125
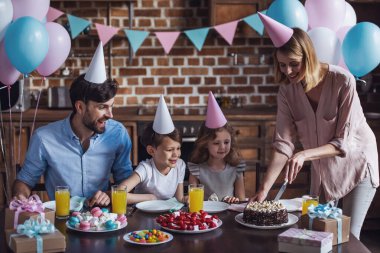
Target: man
84,149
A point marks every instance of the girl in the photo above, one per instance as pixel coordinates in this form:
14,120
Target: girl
215,160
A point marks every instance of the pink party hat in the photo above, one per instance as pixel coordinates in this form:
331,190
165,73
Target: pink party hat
96,72
215,117
163,123
279,33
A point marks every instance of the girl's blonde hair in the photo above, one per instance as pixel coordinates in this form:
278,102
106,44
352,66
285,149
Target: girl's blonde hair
300,45
200,152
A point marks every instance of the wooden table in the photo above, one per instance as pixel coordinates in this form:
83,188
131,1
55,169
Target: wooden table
230,237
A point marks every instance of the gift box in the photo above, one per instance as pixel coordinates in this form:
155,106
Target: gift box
328,225
19,211
35,235
302,240
54,242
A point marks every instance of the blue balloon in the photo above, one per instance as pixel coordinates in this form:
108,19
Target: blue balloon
361,48
26,43
291,13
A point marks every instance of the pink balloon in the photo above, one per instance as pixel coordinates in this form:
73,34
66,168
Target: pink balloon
326,13
59,49
341,33
8,73
33,8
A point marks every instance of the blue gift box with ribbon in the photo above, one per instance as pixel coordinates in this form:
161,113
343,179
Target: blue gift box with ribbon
36,235
327,218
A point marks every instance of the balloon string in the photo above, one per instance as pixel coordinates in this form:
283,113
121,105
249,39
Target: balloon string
3,150
22,86
10,125
35,111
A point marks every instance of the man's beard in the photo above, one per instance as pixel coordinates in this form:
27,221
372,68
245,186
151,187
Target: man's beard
92,125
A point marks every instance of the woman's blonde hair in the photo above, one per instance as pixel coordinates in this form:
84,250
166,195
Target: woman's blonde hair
300,45
200,152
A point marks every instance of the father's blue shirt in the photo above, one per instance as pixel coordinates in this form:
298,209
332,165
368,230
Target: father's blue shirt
56,152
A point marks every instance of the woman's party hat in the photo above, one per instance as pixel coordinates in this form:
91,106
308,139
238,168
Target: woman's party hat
215,117
279,33
96,73
163,123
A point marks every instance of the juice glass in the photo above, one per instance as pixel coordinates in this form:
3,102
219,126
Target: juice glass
196,196
308,200
119,199
62,202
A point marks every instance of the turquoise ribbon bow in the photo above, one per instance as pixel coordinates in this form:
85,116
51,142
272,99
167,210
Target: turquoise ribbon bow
324,212
33,228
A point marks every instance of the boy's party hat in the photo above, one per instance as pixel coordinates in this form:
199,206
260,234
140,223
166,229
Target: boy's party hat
96,73
215,117
163,123
279,33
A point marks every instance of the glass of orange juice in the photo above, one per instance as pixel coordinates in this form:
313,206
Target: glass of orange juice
62,202
196,196
308,200
119,199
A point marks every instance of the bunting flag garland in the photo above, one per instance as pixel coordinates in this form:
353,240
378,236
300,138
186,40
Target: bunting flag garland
105,32
53,14
167,39
197,36
136,38
227,31
255,22
77,25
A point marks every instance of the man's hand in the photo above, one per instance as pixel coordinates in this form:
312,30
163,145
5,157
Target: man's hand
20,196
100,199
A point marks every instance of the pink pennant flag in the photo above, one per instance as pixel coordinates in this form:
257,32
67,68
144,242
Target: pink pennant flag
227,30
53,14
167,39
105,32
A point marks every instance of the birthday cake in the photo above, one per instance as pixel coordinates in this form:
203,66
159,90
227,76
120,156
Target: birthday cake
266,213
96,220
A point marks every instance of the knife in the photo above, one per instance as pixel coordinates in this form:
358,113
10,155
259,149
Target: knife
281,191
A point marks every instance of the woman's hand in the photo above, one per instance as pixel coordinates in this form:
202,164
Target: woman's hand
294,165
260,196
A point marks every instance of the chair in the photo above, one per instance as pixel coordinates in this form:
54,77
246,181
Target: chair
299,187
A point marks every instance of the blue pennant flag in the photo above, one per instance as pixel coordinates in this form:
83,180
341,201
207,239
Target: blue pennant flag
77,25
136,38
197,36
255,22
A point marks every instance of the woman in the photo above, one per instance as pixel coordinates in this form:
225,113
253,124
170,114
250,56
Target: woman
318,103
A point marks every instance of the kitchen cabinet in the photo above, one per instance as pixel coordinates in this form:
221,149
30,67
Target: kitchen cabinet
224,11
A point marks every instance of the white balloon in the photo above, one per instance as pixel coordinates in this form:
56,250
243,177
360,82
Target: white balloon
350,17
6,15
326,44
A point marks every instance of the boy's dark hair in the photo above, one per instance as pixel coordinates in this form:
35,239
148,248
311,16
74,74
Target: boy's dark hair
200,152
85,91
150,137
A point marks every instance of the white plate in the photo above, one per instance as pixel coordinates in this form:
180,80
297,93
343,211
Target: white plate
214,206
292,205
95,231
126,238
156,206
292,219
51,205
193,231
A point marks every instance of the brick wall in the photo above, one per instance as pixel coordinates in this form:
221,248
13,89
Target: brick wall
185,75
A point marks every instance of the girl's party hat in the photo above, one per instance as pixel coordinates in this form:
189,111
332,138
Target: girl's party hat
96,73
215,117
163,123
279,33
